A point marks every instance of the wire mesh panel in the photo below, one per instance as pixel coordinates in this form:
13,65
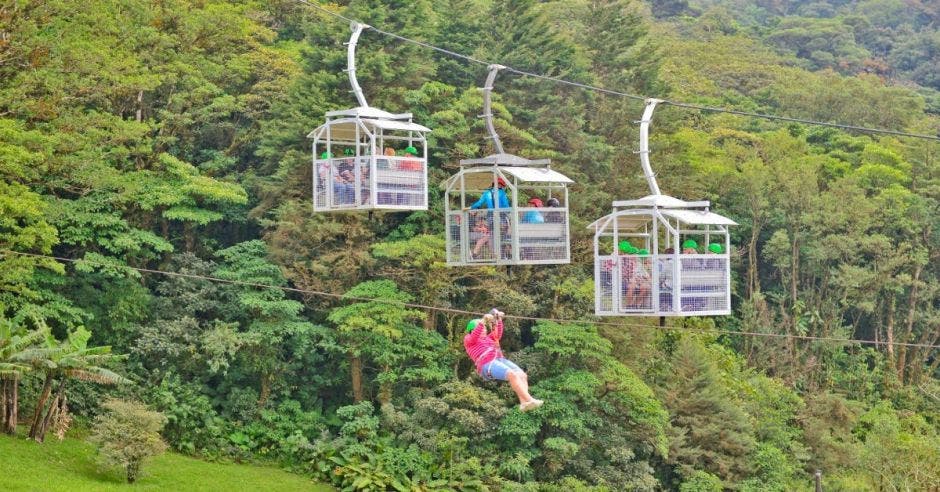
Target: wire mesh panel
605,284
348,181
481,247
321,183
665,270
635,283
400,182
456,231
704,284
543,235
506,228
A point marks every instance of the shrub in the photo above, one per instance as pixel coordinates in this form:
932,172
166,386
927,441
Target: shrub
126,435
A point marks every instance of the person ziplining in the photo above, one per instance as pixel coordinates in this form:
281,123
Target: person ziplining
483,348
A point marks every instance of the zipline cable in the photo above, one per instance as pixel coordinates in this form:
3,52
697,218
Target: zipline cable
611,92
344,297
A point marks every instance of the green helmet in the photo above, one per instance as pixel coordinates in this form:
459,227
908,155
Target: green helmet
715,248
326,155
625,247
643,252
473,324
349,152
411,150
689,244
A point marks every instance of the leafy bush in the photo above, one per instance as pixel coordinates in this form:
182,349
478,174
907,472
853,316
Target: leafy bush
701,481
126,435
193,425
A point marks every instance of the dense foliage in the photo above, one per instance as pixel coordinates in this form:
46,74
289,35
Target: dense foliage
171,135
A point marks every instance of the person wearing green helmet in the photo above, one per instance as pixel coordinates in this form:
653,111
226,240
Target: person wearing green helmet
625,247
689,247
483,348
410,163
715,248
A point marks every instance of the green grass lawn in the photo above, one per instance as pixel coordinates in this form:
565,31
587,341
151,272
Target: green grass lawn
70,466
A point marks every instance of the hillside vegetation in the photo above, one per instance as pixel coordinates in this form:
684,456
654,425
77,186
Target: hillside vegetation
171,136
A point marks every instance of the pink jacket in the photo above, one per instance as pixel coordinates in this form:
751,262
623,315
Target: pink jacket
483,347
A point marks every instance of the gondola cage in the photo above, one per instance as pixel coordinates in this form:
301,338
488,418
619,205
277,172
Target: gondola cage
525,220
356,165
661,256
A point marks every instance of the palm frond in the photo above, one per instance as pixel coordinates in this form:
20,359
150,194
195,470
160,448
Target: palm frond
98,375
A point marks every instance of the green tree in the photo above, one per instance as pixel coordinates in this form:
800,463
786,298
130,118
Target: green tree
710,431
365,326
270,321
127,434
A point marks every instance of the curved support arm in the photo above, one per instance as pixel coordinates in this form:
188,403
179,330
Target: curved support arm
351,62
488,108
645,145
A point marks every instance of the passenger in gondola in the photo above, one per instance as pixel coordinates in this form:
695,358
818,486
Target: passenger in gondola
713,264
410,163
533,216
344,187
486,199
553,217
480,235
636,279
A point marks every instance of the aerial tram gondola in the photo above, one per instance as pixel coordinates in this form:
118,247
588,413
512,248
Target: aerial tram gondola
659,255
504,209
356,165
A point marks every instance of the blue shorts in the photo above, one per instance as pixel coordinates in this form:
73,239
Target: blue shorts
498,368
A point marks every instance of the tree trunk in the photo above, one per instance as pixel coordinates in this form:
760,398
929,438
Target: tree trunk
794,268
889,331
355,370
133,470
265,391
51,414
909,325
385,392
429,321
189,238
4,403
40,405
753,279
13,405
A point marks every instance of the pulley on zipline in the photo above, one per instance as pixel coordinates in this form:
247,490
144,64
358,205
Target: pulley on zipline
504,209
368,159
661,256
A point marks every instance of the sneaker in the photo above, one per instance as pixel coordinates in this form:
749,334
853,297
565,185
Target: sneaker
530,405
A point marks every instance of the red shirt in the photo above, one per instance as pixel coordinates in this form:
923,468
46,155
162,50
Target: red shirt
410,165
483,347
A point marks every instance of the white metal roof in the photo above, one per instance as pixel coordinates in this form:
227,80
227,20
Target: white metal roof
505,160
631,220
482,177
662,201
345,128
368,112
626,221
697,217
